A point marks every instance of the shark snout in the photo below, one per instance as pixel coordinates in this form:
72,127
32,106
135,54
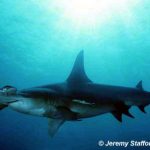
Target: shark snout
8,90
8,94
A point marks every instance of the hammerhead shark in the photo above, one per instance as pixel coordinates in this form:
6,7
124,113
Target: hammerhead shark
74,99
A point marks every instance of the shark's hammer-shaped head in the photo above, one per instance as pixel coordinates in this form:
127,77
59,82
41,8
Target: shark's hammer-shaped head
7,94
8,90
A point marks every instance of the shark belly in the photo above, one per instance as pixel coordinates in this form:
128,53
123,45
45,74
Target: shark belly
86,110
38,107
29,106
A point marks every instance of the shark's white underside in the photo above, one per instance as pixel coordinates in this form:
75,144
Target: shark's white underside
39,107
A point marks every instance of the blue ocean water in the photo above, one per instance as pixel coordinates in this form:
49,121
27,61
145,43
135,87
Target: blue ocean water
38,45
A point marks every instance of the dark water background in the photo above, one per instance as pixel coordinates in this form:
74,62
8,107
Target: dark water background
38,46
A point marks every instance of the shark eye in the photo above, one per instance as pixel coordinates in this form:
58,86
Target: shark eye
9,90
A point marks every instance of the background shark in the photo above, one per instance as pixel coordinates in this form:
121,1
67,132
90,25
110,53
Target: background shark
76,98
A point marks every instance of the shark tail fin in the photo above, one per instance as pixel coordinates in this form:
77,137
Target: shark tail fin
140,87
78,74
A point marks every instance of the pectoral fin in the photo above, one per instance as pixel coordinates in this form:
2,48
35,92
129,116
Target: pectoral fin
54,125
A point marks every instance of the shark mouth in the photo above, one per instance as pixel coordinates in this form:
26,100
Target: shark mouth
7,100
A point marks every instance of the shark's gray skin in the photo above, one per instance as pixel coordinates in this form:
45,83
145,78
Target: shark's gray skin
76,98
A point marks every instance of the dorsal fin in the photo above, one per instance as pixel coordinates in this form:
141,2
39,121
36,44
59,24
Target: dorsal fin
78,74
140,85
